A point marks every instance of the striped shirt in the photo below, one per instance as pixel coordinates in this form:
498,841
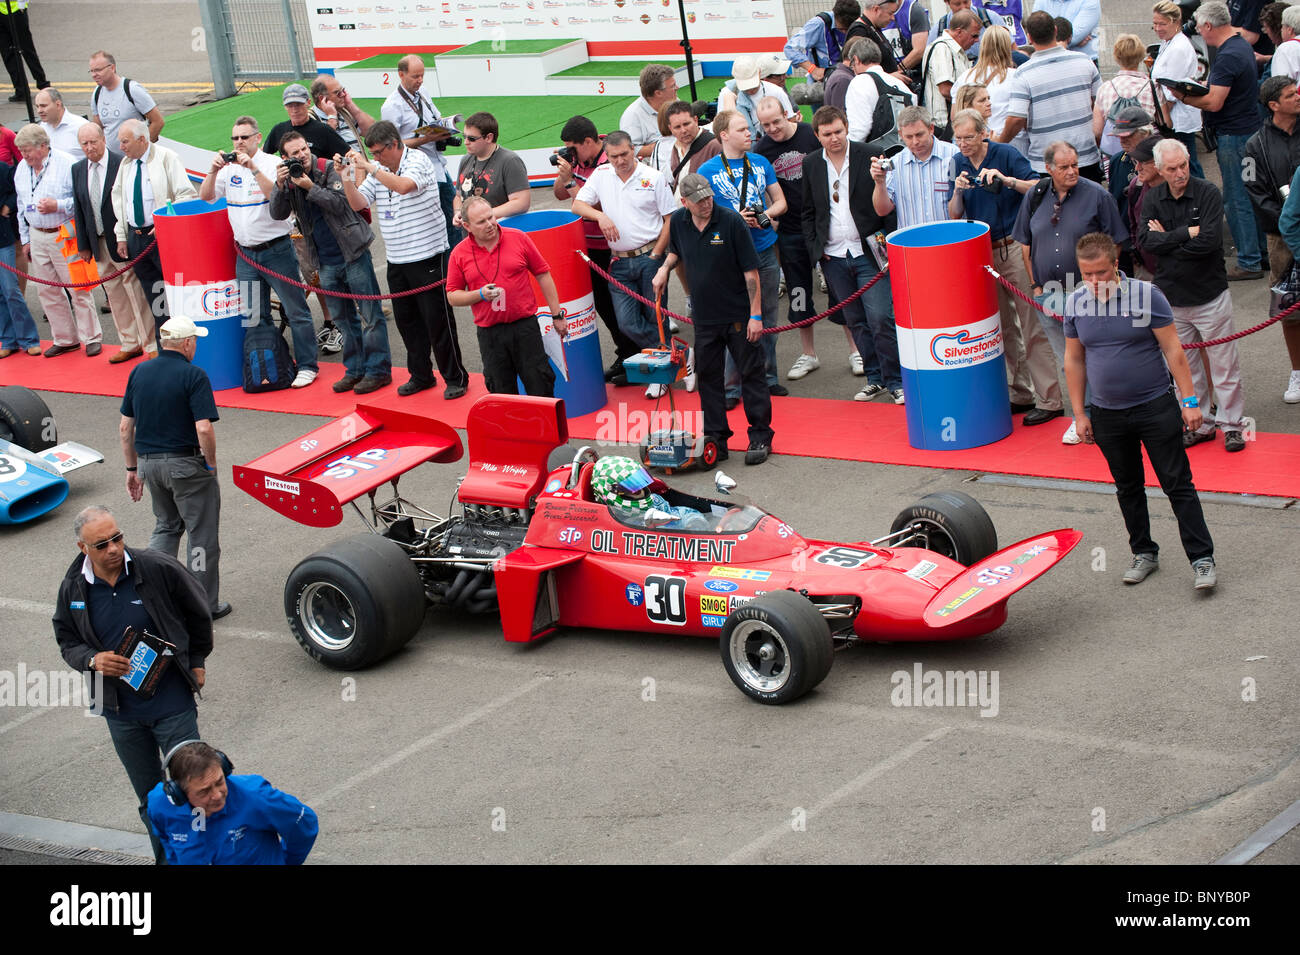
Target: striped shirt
412,225
920,188
54,181
1053,93
247,205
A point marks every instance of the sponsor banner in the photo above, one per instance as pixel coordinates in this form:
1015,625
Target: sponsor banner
205,302
651,28
944,349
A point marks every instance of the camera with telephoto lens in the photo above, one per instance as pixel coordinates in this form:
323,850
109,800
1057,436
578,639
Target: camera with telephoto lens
442,144
230,157
569,154
760,216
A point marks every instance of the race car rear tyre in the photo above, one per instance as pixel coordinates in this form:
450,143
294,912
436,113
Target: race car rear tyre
777,647
955,524
25,419
355,602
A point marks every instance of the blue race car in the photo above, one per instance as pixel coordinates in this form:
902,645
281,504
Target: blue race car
31,464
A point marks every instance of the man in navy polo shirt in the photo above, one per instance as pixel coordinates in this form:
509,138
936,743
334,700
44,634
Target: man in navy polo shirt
1120,340
170,447
107,589
992,179
722,269
1231,110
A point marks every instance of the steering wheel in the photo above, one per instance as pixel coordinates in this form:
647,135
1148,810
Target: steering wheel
731,520
586,455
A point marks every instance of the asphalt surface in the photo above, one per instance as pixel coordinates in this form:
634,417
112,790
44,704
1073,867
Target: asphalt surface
1121,734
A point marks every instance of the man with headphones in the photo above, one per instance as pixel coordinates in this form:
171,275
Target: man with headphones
205,815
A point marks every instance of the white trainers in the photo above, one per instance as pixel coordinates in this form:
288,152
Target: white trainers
780,289
330,339
1292,394
869,392
673,326
691,380
802,366
304,378
898,396
1071,436
856,366
655,391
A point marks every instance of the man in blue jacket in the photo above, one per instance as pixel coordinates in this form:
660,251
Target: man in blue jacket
204,815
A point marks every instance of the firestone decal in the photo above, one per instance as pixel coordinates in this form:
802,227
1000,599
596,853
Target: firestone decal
635,595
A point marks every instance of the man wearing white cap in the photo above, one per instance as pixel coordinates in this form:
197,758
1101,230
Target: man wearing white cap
170,446
746,87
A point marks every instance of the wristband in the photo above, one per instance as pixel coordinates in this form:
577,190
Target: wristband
208,466
481,296
131,470
1191,401
756,318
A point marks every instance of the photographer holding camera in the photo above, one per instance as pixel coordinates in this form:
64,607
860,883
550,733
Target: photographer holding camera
991,180
336,245
916,182
583,153
410,109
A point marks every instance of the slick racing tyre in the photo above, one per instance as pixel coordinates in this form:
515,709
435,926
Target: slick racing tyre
25,419
355,602
777,647
949,523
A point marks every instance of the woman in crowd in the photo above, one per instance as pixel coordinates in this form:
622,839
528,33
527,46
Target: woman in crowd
1127,85
1177,60
994,70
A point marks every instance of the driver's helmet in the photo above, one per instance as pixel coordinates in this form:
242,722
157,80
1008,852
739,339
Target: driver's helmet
622,482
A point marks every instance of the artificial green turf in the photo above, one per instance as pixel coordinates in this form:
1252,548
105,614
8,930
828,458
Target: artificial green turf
507,47
387,61
613,68
527,122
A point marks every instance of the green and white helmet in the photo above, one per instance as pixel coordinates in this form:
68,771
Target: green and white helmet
618,481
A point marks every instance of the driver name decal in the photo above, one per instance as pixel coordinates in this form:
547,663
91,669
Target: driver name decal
957,601
662,546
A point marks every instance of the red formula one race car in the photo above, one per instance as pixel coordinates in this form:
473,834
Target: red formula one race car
535,545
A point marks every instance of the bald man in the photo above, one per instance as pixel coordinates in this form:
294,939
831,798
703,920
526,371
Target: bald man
409,108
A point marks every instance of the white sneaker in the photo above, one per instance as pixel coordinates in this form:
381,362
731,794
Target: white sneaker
802,365
691,380
655,391
304,378
898,396
1071,436
780,289
869,392
673,326
1292,395
855,365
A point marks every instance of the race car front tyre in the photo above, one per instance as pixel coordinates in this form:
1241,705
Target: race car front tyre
25,419
777,647
952,524
355,602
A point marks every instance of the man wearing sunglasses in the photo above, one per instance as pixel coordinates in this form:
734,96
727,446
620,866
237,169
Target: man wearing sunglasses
108,588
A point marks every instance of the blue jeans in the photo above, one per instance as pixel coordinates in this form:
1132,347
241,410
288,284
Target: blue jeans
280,258
1246,233
870,317
446,193
365,339
637,321
17,327
140,746
769,283
1193,163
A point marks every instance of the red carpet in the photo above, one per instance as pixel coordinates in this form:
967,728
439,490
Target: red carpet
810,427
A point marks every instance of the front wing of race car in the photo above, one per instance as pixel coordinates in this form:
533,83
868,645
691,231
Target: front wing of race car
32,483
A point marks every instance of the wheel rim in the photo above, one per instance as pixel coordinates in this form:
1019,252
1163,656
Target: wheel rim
327,616
760,657
936,538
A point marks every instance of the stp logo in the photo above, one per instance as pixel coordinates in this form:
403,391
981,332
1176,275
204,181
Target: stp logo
570,535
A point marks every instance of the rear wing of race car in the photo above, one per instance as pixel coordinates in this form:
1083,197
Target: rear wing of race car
310,479
998,576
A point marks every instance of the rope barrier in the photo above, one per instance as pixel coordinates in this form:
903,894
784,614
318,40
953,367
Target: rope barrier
1190,346
324,291
775,329
84,285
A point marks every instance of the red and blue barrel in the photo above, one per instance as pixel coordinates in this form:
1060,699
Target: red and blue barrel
949,335
579,371
197,250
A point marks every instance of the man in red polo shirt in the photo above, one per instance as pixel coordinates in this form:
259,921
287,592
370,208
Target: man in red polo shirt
489,271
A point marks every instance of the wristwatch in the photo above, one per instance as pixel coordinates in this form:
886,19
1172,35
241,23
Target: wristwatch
92,661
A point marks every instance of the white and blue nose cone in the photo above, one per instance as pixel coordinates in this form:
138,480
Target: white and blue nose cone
949,335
